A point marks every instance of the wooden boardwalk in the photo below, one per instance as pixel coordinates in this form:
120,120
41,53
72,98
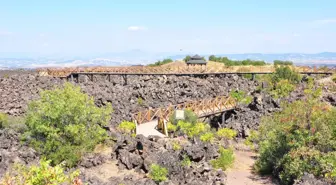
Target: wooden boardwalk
151,120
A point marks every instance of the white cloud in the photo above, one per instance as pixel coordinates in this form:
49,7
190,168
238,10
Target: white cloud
136,28
326,21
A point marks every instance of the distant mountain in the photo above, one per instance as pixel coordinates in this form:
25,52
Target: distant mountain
135,57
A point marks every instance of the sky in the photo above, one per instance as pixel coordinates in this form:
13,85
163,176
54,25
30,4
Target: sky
196,26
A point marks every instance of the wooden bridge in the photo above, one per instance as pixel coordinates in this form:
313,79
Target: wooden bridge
180,69
152,121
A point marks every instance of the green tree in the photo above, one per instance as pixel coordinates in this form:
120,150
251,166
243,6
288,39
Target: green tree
187,58
65,123
212,58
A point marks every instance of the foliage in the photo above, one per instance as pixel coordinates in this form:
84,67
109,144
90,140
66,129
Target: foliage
176,146
159,63
281,62
282,89
301,138
241,97
285,73
186,161
171,127
127,127
207,137
65,123
334,78
187,58
252,138
3,120
226,133
229,62
193,130
225,159
158,173
140,101
43,174
189,116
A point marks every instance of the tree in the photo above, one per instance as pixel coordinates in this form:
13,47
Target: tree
212,58
65,123
187,58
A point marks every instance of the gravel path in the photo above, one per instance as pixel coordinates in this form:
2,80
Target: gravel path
242,171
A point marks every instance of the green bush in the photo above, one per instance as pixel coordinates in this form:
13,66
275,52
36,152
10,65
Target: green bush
127,127
158,173
159,63
207,137
171,127
334,78
282,89
225,159
280,62
229,62
187,58
3,120
65,123
185,161
192,130
43,174
241,97
140,101
285,73
252,138
226,133
189,116
301,138
176,146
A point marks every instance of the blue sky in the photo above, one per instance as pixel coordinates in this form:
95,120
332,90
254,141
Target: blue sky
197,26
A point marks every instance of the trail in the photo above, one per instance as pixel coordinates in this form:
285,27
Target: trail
242,171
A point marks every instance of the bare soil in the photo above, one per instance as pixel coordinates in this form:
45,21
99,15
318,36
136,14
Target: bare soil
242,171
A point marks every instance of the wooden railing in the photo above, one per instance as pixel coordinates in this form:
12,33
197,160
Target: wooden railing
175,69
201,108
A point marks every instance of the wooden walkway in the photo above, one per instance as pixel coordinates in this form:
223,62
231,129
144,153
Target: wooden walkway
151,120
175,70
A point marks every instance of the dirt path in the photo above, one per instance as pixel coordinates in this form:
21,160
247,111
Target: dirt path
242,171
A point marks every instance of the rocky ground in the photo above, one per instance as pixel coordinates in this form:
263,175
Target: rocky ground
17,90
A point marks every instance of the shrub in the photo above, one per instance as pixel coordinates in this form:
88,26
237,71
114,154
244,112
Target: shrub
252,138
192,130
158,173
207,137
334,78
225,159
241,97
140,101
301,138
43,174
187,58
186,161
159,63
127,127
226,133
65,123
282,89
189,116
3,120
171,127
176,146
285,73
280,62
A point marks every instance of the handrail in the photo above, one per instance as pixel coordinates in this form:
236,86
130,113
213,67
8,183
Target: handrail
201,108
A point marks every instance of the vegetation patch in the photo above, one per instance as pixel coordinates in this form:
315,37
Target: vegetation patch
158,173
301,138
226,133
241,97
189,116
127,127
225,159
160,63
282,62
43,174
207,137
65,123
229,62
